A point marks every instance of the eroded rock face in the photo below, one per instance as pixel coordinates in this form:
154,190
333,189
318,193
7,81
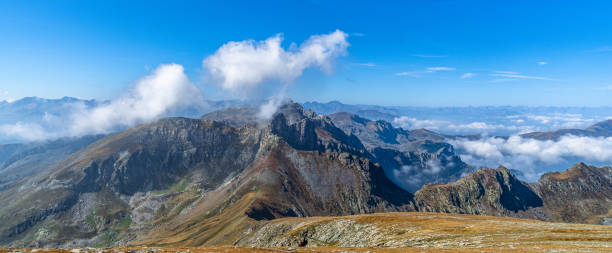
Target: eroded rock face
410,158
306,183
582,193
156,156
487,191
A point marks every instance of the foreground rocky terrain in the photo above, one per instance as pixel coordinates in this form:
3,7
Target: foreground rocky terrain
230,180
404,232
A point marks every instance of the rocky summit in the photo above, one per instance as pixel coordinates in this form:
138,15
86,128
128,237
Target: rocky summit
231,178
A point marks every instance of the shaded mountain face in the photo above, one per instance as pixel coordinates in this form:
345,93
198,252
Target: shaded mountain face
410,158
381,134
486,191
601,129
581,194
21,160
234,116
412,170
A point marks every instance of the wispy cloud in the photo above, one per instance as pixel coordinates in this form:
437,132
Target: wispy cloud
428,56
518,76
503,80
358,34
467,75
419,73
436,69
504,72
367,64
3,94
542,63
410,73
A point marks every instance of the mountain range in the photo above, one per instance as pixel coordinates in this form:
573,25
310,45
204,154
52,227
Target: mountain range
221,179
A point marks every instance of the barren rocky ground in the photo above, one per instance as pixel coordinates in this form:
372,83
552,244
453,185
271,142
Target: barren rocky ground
401,232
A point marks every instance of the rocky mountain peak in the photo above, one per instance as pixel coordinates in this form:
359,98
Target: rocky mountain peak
294,112
486,191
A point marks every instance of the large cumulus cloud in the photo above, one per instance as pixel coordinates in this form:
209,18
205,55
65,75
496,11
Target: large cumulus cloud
242,66
245,64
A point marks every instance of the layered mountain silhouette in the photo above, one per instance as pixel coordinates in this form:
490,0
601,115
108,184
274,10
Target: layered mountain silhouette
214,180
601,129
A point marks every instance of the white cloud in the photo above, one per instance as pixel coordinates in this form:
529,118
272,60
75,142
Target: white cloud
456,128
467,75
246,64
165,90
563,120
436,69
428,56
410,73
421,72
267,110
524,154
517,76
505,72
367,64
479,127
413,123
542,63
25,131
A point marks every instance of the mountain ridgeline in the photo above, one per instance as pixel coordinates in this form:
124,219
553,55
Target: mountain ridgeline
217,180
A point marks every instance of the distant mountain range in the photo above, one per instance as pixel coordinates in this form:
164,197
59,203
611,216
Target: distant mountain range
50,115
601,129
220,179
470,120
46,119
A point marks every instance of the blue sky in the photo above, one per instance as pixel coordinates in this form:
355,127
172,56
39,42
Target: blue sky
424,53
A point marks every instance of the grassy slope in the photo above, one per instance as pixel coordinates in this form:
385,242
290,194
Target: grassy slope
418,232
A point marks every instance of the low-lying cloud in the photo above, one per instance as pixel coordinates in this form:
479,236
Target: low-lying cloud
496,123
413,123
455,128
529,155
166,89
